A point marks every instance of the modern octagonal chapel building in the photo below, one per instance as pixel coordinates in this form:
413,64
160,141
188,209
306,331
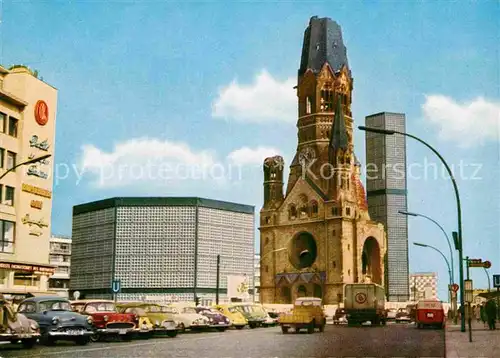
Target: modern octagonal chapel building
317,234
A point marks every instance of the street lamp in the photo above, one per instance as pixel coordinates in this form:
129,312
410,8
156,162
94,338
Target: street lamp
444,257
488,276
407,213
457,197
30,161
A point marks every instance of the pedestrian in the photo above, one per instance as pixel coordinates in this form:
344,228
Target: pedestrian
484,318
491,313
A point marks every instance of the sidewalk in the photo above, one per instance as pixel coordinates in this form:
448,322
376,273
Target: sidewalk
485,343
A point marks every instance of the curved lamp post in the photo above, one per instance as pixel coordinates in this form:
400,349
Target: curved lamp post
444,257
459,210
31,161
445,234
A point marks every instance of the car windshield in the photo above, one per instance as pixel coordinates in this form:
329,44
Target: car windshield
100,307
233,309
55,306
189,310
208,310
136,310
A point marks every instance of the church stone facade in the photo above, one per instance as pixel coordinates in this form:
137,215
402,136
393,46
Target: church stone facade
316,235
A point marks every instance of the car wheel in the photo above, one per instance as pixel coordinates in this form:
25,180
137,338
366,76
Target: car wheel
47,341
95,337
284,329
252,325
28,343
127,337
183,328
310,328
82,341
322,327
239,327
172,334
221,329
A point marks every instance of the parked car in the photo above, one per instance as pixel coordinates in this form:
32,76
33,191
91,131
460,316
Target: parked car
215,319
403,315
391,314
56,320
237,318
159,318
307,313
107,320
268,320
255,316
18,328
189,318
340,316
430,313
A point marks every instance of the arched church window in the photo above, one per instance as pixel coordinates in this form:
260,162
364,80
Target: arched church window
308,105
292,212
314,208
327,98
303,211
334,264
348,211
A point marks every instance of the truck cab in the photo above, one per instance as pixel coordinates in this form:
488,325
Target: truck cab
365,302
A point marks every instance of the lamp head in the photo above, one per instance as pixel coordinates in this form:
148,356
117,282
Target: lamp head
407,213
377,130
419,244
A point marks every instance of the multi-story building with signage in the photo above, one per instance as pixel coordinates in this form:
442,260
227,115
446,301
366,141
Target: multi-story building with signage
160,249
60,257
423,285
27,130
386,192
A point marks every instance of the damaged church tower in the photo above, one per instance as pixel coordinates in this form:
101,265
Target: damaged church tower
317,234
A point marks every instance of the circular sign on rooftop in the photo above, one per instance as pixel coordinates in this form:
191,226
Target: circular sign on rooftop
487,264
41,113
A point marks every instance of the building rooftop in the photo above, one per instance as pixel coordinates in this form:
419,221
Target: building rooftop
323,43
162,201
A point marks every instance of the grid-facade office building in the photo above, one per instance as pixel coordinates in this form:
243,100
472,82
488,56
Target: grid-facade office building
161,249
386,193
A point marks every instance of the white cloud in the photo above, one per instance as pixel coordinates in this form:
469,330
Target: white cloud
153,162
266,100
251,156
469,124
145,160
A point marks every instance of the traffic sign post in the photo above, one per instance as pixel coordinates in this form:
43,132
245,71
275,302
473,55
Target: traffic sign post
116,287
496,281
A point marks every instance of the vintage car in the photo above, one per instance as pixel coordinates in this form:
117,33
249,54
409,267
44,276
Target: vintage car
215,319
403,315
189,318
237,318
255,315
340,316
307,313
18,328
430,313
268,320
107,321
56,320
391,314
159,319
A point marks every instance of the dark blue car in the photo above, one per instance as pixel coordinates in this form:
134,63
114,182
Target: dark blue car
56,320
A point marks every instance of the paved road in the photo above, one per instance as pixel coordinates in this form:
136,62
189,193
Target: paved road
337,341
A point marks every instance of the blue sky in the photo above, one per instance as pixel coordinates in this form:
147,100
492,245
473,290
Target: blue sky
167,80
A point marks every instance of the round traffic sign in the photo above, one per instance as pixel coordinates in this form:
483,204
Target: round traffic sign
360,297
454,287
487,264
76,295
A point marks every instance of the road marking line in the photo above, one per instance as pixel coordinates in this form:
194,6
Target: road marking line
157,341
154,341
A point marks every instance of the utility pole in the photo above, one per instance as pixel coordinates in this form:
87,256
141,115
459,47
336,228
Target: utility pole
217,284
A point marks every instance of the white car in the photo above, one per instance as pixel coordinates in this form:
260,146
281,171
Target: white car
187,318
391,314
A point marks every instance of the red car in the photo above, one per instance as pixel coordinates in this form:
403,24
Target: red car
107,320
